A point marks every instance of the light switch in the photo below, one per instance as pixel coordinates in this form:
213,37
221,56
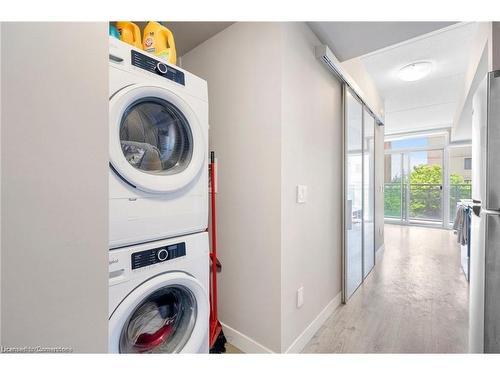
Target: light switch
300,297
301,193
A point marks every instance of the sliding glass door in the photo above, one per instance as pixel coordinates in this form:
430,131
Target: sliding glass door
353,244
368,192
425,188
414,182
393,186
359,193
425,177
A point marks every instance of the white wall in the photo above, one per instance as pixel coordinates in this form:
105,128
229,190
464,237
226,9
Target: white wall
276,122
54,167
311,107
495,46
462,129
479,64
485,57
356,69
242,67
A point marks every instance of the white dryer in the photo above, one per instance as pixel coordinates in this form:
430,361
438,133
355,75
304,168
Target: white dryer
158,297
158,144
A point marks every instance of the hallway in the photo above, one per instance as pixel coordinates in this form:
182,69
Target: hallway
414,301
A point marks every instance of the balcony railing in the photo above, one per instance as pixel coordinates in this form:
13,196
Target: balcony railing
457,192
425,200
393,199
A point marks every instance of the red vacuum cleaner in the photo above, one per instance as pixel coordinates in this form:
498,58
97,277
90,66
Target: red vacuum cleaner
217,338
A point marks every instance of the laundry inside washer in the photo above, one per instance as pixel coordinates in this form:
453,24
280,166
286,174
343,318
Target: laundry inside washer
158,296
163,323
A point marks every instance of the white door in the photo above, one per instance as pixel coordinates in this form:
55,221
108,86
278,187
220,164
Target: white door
156,142
166,314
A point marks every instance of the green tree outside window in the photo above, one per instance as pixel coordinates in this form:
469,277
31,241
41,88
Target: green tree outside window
425,192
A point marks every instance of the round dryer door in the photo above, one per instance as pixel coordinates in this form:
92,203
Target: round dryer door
166,314
156,142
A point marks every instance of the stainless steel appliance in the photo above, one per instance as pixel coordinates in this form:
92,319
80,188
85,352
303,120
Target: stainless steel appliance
484,317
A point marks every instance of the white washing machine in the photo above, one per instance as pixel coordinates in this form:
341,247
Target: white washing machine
158,144
158,296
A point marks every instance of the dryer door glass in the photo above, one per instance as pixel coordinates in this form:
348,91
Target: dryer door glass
162,323
156,137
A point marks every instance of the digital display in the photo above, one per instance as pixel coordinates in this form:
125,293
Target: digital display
147,63
150,257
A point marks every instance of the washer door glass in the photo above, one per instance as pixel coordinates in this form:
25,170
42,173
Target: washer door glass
162,323
155,137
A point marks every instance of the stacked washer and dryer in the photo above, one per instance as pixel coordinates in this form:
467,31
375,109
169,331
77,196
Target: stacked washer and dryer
158,205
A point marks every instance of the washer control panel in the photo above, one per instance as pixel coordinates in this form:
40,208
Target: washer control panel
158,255
157,67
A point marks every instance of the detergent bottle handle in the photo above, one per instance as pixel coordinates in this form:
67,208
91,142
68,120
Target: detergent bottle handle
171,45
137,35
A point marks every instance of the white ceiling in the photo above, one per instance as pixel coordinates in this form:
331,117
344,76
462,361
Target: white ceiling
352,39
346,39
429,103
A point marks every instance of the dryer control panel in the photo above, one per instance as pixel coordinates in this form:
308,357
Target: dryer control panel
158,255
157,67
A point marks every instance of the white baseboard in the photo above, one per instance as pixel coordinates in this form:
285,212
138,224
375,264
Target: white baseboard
248,345
242,341
301,341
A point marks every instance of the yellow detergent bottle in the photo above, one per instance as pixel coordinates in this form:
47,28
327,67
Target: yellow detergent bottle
159,40
129,33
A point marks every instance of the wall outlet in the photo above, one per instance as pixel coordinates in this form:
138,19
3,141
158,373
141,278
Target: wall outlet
301,193
300,297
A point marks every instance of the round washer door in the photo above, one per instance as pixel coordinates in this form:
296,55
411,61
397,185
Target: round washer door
165,314
156,141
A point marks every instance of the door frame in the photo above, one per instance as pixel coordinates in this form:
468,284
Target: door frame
445,196
442,188
372,177
364,109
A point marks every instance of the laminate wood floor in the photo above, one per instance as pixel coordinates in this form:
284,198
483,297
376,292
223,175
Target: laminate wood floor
414,301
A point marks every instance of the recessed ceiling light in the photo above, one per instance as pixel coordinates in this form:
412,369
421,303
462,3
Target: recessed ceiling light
415,71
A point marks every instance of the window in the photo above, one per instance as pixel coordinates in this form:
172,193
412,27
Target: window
467,164
418,141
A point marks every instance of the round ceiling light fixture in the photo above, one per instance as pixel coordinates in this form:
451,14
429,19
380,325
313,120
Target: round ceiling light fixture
415,71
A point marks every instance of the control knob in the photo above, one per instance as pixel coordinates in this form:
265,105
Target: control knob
161,68
162,255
